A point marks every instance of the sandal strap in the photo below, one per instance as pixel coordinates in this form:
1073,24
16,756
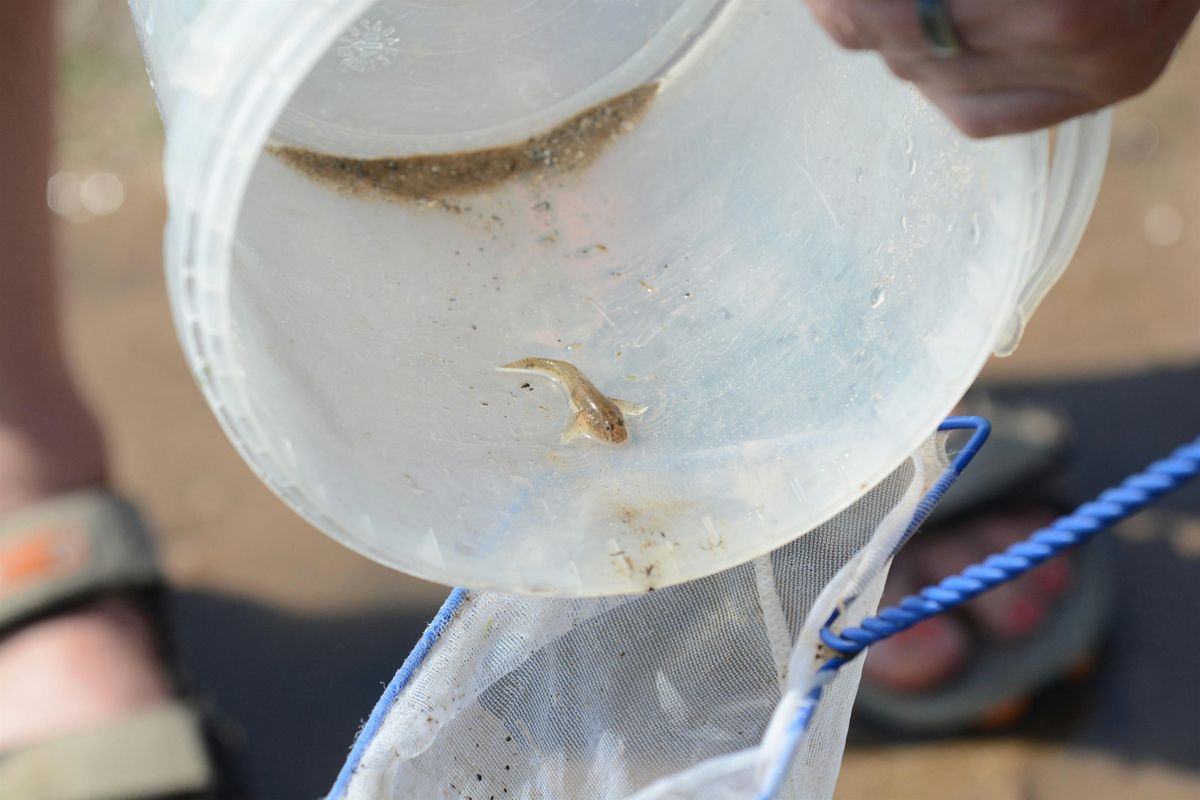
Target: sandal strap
156,753
68,548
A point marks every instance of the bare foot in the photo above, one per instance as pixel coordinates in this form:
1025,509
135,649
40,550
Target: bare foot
932,653
89,664
77,669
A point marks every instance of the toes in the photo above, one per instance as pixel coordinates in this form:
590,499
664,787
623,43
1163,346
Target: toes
1006,612
1014,610
922,657
1053,578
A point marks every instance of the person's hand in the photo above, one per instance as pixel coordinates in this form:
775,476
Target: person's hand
1024,64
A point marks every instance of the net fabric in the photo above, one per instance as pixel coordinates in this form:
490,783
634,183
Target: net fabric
685,692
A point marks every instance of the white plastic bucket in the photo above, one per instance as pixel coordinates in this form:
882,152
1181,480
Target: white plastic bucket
781,251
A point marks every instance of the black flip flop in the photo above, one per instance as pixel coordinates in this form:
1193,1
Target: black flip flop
1018,467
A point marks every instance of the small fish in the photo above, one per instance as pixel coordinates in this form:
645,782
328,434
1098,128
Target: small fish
596,416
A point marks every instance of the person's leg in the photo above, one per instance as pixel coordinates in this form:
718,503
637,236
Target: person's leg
97,662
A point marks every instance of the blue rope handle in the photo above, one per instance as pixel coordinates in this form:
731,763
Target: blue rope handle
778,771
1113,505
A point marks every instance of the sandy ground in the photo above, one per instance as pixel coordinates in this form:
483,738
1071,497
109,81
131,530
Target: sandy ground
1128,303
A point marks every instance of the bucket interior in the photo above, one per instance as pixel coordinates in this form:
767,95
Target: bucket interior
782,252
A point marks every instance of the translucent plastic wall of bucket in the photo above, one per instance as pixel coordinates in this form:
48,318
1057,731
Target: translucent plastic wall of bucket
782,252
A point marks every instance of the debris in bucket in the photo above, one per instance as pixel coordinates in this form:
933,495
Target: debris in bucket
574,143
597,416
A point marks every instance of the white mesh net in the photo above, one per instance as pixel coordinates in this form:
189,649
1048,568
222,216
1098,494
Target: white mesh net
685,692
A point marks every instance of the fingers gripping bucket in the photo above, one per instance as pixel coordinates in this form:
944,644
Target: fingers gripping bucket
783,253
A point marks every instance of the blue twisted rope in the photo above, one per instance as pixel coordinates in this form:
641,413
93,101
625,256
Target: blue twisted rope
778,771
1113,505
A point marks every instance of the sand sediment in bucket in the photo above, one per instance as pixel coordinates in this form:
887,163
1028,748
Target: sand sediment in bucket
573,144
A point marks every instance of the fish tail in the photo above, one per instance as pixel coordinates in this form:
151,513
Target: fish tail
521,363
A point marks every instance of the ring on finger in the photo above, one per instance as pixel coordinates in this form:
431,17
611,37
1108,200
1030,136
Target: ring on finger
940,35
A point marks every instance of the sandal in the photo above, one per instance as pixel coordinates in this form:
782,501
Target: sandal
65,552
1019,466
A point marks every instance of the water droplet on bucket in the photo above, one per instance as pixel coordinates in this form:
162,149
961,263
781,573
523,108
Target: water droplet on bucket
858,175
904,223
976,229
878,296
912,167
